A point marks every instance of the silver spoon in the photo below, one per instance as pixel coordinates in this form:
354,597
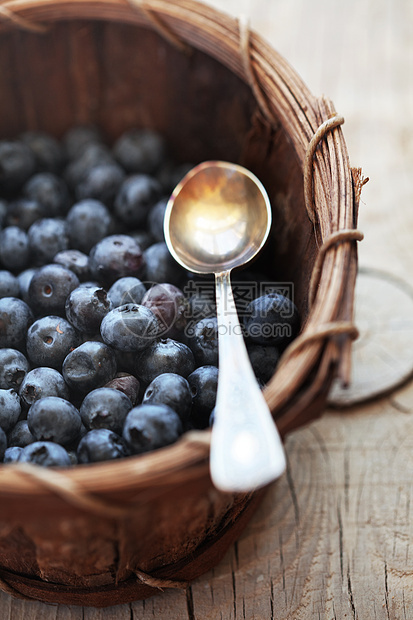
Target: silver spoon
218,218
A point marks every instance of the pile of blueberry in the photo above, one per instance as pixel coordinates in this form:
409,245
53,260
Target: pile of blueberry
108,348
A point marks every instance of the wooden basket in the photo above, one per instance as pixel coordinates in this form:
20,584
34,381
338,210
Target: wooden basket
111,533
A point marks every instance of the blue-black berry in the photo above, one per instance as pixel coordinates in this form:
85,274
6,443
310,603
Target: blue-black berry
165,355
101,444
13,368
49,340
131,327
54,419
272,320
86,307
203,383
45,454
10,409
173,390
50,287
89,366
105,408
15,318
149,427
41,382
115,257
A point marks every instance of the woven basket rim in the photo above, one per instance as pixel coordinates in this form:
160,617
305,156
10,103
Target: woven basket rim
217,34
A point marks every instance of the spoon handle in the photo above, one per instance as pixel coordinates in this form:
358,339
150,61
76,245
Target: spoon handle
246,449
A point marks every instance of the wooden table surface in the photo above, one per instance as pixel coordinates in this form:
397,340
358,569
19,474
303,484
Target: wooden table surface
332,538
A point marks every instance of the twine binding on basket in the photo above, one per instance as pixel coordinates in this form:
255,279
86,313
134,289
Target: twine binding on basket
324,128
160,26
340,236
68,489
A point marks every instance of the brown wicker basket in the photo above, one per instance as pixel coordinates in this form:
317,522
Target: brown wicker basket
111,533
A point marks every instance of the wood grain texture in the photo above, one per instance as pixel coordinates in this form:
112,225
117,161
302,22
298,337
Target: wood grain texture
332,538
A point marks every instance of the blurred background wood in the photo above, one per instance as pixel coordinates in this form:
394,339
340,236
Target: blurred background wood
332,538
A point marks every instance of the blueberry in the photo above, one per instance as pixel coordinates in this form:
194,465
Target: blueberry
17,164
91,156
73,457
201,305
42,382
170,306
49,340
88,221
20,436
165,355
24,212
140,150
15,319
50,287
10,409
115,257
130,327
50,191
9,285
126,291
126,383
136,196
156,218
3,212
101,444
12,454
105,408
149,427
74,260
160,266
272,320
46,454
89,366
102,182
203,382
170,174
3,444
54,419
47,151
172,390
13,368
24,278
79,138
14,248
47,237
143,238
263,361
86,307
204,342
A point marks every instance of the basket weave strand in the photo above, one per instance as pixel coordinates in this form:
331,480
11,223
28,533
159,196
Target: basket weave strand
341,236
327,125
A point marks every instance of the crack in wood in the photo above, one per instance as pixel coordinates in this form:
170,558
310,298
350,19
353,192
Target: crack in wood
346,478
340,540
234,595
190,604
272,598
386,590
294,499
350,593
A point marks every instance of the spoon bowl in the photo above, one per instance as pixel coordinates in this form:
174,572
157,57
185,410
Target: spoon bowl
210,224
218,218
